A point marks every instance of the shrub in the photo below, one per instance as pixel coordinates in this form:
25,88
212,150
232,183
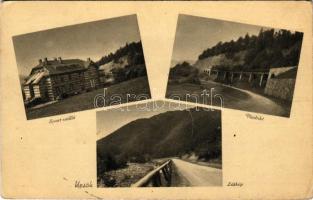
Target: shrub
196,80
109,162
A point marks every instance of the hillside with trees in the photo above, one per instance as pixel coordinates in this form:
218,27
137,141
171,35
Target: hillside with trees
125,63
133,51
143,139
184,72
270,48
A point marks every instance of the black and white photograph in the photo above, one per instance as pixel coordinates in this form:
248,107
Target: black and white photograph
80,67
234,65
159,144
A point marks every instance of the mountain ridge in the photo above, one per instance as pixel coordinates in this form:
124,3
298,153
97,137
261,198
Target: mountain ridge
168,134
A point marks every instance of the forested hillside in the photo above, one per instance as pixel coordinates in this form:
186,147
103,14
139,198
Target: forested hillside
133,51
125,63
182,132
270,48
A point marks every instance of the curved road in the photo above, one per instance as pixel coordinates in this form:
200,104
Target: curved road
233,97
198,175
236,98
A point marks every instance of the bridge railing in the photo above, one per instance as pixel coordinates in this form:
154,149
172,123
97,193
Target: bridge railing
161,176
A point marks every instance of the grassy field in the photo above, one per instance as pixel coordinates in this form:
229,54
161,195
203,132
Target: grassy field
85,101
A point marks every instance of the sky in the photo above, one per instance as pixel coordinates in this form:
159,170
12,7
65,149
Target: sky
110,120
195,34
88,40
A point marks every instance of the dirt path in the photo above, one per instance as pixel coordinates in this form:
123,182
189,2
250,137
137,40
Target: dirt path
197,175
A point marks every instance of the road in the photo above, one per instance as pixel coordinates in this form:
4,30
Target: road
233,98
198,175
254,102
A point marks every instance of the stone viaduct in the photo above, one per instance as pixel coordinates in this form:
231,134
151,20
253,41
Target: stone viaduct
258,75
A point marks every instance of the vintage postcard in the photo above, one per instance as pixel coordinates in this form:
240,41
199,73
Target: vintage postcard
133,100
64,70
186,151
253,68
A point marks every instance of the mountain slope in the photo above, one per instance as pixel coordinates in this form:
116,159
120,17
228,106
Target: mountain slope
133,53
124,64
221,60
107,67
270,48
168,134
